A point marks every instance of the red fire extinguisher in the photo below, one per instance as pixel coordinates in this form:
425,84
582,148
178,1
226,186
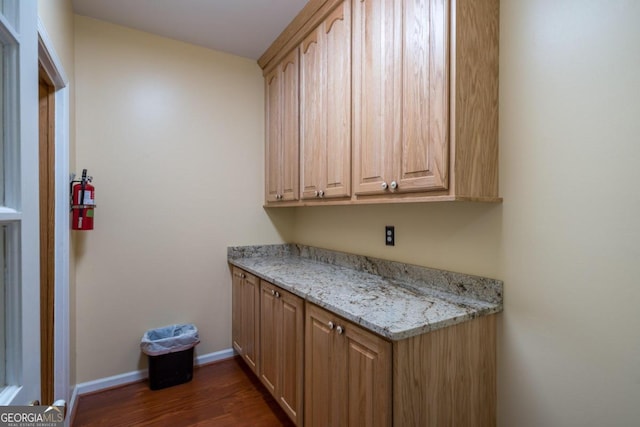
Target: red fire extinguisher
83,203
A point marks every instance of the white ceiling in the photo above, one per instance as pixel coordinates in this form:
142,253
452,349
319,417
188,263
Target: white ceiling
242,27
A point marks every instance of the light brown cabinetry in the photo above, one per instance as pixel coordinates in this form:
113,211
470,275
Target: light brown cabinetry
325,107
282,340
424,98
336,373
447,377
347,373
245,316
282,133
400,96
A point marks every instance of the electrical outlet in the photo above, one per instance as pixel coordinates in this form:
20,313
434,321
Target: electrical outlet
389,235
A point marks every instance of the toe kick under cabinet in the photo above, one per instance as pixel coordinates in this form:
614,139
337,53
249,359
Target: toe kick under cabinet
324,370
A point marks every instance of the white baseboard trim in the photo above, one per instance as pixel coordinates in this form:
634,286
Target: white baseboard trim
114,381
214,357
133,376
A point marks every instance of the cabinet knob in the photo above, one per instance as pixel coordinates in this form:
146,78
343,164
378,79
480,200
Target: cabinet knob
394,185
243,276
273,292
321,193
384,185
316,193
339,330
277,294
331,325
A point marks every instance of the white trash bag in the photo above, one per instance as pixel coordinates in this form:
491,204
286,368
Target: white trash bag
169,339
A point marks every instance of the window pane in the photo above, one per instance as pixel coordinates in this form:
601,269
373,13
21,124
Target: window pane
9,8
9,150
2,121
3,275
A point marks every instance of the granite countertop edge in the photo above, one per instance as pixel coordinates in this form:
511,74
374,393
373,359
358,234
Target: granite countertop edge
467,308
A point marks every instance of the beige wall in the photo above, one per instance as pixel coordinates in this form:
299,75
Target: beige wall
57,18
173,136
566,240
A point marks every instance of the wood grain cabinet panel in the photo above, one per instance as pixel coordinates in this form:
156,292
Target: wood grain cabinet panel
245,317
421,80
423,159
282,133
269,326
400,96
326,371
325,107
447,377
273,148
320,378
281,355
347,373
237,338
376,92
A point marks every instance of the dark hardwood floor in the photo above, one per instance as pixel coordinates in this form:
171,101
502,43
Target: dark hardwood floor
223,394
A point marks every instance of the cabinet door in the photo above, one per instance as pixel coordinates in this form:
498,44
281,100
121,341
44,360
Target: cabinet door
236,312
320,376
269,326
423,155
291,355
250,320
347,373
337,47
368,371
325,107
281,151
313,140
273,148
290,130
376,92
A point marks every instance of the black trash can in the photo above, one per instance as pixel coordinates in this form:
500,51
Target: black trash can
170,353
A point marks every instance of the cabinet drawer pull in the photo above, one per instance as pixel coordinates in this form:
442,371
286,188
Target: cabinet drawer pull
331,325
384,185
339,330
273,292
394,185
277,294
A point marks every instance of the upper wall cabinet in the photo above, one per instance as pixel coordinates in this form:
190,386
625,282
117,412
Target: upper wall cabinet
282,107
421,109
325,107
400,104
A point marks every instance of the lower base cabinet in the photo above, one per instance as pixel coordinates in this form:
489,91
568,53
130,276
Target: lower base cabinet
245,321
352,377
447,377
282,341
347,373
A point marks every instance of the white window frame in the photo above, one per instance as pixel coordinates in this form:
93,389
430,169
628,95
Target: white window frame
21,207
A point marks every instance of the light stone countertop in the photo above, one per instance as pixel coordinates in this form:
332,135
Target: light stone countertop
409,301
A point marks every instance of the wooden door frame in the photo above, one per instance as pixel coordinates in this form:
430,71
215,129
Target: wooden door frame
50,62
46,161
